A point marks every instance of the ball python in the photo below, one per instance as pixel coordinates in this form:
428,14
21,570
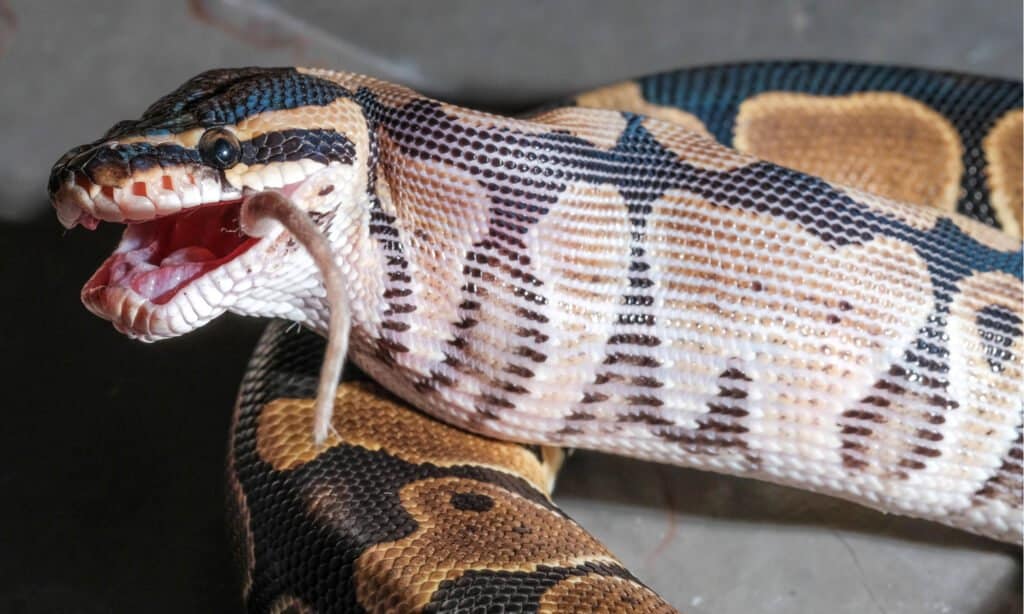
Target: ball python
764,269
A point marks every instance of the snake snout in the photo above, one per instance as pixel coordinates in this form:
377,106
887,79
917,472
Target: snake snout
131,182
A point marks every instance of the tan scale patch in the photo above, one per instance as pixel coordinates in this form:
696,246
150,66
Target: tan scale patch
601,595
626,96
1004,153
882,142
816,332
581,249
602,128
343,114
511,534
437,213
366,416
694,148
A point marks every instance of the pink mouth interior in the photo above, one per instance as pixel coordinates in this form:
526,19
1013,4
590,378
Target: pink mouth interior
156,259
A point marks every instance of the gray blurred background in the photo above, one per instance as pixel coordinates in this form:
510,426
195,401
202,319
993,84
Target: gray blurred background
113,451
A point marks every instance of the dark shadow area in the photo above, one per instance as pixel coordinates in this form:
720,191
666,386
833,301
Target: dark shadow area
113,450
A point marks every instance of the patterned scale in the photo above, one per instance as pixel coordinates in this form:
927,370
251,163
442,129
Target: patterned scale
814,307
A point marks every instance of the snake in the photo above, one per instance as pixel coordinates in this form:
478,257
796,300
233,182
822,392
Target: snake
801,272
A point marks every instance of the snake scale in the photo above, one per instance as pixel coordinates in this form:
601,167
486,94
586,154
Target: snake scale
763,269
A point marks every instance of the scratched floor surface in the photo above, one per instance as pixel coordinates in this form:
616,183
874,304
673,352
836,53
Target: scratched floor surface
113,451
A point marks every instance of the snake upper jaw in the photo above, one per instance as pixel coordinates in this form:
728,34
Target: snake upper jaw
177,267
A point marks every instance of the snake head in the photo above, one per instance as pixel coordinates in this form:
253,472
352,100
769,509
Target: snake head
176,177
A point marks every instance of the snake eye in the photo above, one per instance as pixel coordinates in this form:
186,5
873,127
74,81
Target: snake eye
219,148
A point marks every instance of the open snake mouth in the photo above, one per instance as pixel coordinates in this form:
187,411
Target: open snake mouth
156,259
182,260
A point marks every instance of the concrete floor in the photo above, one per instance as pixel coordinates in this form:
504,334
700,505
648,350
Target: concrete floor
111,473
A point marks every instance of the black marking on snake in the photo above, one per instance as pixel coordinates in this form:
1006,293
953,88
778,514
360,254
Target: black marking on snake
513,591
472,502
227,96
971,103
999,329
323,145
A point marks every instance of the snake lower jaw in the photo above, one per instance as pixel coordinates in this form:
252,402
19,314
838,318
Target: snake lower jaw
171,275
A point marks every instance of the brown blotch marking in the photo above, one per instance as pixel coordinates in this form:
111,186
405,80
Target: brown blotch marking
397,292
875,400
366,416
515,369
510,387
636,360
465,323
645,417
532,315
727,392
634,339
1003,146
391,347
513,534
717,426
646,381
395,308
727,410
881,142
734,373
644,399
532,354
852,462
702,444
602,594
497,401
324,191
909,463
485,414
594,397
870,416
580,415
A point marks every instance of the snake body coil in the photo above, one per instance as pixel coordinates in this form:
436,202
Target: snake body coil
583,277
